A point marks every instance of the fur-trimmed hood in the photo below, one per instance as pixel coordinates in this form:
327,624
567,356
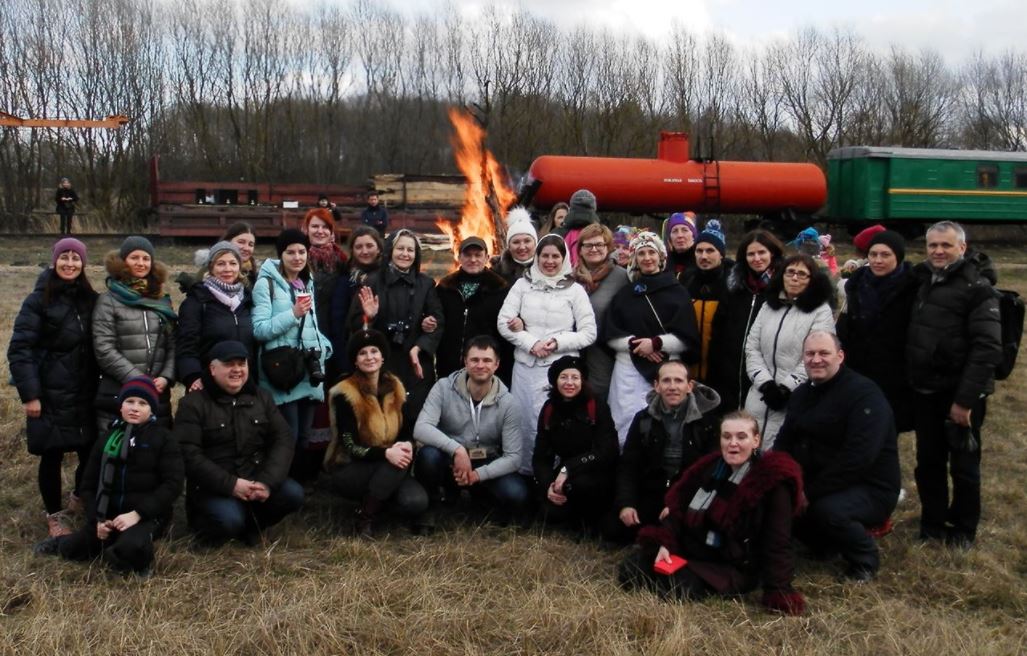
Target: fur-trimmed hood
117,269
819,291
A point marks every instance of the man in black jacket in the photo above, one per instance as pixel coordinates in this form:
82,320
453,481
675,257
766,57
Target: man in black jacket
840,429
471,298
375,214
237,449
676,429
952,347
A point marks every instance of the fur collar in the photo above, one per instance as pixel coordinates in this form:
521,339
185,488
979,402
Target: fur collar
819,291
770,470
118,270
379,418
489,279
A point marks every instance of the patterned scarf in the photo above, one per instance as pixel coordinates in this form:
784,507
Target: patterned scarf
590,278
327,257
757,282
113,457
723,482
229,294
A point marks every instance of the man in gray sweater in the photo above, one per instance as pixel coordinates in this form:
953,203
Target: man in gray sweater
470,433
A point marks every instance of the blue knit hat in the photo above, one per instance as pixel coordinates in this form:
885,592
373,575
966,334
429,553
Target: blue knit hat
712,234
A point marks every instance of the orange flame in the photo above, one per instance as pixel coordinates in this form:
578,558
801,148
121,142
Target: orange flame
484,176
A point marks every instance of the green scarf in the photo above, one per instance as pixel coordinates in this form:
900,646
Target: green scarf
130,297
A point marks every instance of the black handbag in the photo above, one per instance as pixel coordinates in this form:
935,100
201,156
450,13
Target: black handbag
284,367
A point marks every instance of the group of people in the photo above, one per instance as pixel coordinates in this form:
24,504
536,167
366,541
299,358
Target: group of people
706,408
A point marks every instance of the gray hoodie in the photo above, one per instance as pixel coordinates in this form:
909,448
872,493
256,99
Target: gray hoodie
445,423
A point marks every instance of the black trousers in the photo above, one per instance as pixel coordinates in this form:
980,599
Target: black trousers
838,523
66,220
50,476
936,461
636,572
124,551
589,498
383,482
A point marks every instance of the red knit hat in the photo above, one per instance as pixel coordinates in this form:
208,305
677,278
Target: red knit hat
862,240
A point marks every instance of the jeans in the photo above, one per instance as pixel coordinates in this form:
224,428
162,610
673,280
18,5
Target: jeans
299,415
223,518
433,469
934,456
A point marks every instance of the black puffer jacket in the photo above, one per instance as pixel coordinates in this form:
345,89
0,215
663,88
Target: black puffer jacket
468,318
51,359
148,483
225,437
586,447
875,346
204,321
955,336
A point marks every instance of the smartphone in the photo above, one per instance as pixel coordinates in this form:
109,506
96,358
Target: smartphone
665,568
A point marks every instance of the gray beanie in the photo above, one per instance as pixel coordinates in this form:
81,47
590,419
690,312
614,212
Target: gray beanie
219,249
135,243
582,210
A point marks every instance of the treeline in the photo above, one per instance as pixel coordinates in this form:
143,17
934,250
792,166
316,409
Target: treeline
262,90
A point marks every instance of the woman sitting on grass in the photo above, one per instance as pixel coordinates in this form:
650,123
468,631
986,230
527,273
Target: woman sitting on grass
729,517
134,475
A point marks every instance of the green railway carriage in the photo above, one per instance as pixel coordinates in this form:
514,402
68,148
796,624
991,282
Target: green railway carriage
914,186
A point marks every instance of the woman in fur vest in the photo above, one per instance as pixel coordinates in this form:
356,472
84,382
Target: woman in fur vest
133,329
729,516
799,300
371,449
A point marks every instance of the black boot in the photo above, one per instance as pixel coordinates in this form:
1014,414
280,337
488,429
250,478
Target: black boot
365,515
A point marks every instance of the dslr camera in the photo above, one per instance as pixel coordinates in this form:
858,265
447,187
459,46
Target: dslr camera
397,331
312,358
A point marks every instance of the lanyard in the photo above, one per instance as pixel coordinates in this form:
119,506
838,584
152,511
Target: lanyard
475,418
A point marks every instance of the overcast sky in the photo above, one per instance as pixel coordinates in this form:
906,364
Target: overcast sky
954,28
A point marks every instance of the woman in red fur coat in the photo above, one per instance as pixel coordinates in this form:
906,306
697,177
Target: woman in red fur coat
730,516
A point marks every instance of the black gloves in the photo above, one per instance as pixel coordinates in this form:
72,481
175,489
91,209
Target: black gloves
774,395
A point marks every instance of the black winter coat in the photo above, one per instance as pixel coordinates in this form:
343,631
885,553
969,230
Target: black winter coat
148,483
842,434
735,313
642,480
955,336
468,318
225,437
571,439
875,346
51,359
204,321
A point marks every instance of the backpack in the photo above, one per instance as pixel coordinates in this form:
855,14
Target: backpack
1011,314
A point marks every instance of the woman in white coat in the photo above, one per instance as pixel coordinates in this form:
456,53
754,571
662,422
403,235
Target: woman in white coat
799,300
545,315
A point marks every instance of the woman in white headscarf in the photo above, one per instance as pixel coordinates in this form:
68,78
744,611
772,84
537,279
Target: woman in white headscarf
558,320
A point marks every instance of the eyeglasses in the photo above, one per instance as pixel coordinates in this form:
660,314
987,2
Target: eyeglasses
797,274
593,246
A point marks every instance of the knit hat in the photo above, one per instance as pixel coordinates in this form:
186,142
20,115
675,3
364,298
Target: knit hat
288,237
646,239
518,222
567,362
862,240
680,218
623,235
363,338
141,387
322,213
219,249
135,243
69,244
582,210
712,234
892,240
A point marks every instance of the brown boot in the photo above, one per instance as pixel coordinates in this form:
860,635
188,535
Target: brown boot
55,526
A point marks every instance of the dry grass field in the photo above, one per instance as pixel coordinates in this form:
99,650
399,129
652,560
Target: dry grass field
472,588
